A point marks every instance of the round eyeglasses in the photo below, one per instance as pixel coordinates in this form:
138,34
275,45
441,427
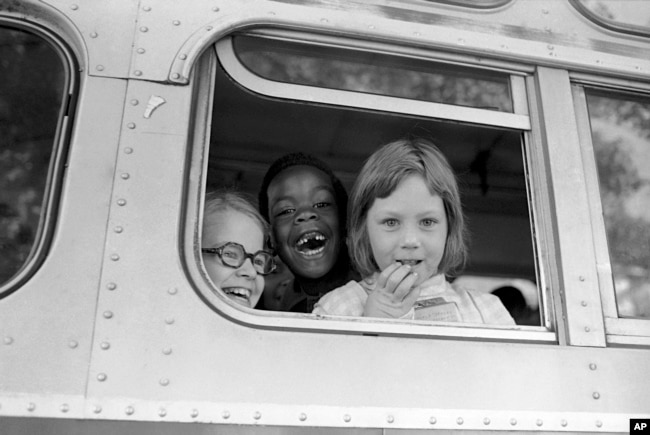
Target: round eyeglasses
234,255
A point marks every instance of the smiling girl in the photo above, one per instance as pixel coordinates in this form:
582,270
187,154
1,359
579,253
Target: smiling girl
232,245
306,204
406,233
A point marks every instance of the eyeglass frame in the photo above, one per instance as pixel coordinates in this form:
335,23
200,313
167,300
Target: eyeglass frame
219,252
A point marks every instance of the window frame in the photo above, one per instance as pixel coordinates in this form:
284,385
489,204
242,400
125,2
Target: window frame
56,167
619,330
521,84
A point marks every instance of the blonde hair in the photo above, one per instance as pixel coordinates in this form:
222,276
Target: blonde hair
381,174
224,199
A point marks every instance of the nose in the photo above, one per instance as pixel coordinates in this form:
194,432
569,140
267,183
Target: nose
247,270
306,214
410,237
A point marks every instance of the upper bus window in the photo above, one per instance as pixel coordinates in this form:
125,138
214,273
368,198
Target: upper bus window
32,83
374,73
621,140
626,16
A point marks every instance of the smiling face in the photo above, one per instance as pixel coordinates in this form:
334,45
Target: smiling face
304,217
409,226
242,285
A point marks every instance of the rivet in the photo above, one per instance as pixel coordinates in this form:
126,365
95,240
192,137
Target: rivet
302,417
167,351
257,415
215,9
225,415
209,28
115,257
164,382
8,340
97,409
182,56
65,407
599,423
323,20
134,102
172,291
121,202
111,286
461,41
564,423
108,314
539,422
73,344
596,395
128,150
74,7
460,421
118,229
347,418
587,329
144,29
162,412
147,8
93,34
105,345
486,421
129,410
581,278
101,377
99,67
125,176
583,303
169,320
176,23
141,50
513,422
194,413
432,420
390,419
176,76
593,366
31,406
131,125
137,72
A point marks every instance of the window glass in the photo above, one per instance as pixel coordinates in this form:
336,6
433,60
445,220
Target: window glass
630,16
250,131
374,73
620,126
32,80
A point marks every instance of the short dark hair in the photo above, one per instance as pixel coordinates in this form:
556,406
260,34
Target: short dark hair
381,174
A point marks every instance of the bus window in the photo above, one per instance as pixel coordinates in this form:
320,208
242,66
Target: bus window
32,85
621,140
251,129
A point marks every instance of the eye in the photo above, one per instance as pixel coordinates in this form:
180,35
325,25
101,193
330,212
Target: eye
285,212
322,204
390,223
428,222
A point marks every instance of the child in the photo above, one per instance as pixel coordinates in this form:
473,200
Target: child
407,233
232,244
306,204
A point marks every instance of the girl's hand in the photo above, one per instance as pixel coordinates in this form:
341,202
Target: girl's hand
394,294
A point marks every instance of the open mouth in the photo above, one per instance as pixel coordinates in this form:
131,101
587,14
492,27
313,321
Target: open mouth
311,243
240,293
410,262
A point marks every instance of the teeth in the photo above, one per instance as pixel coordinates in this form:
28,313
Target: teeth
312,251
310,236
238,291
409,262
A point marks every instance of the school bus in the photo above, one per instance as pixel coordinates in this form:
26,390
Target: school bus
117,118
